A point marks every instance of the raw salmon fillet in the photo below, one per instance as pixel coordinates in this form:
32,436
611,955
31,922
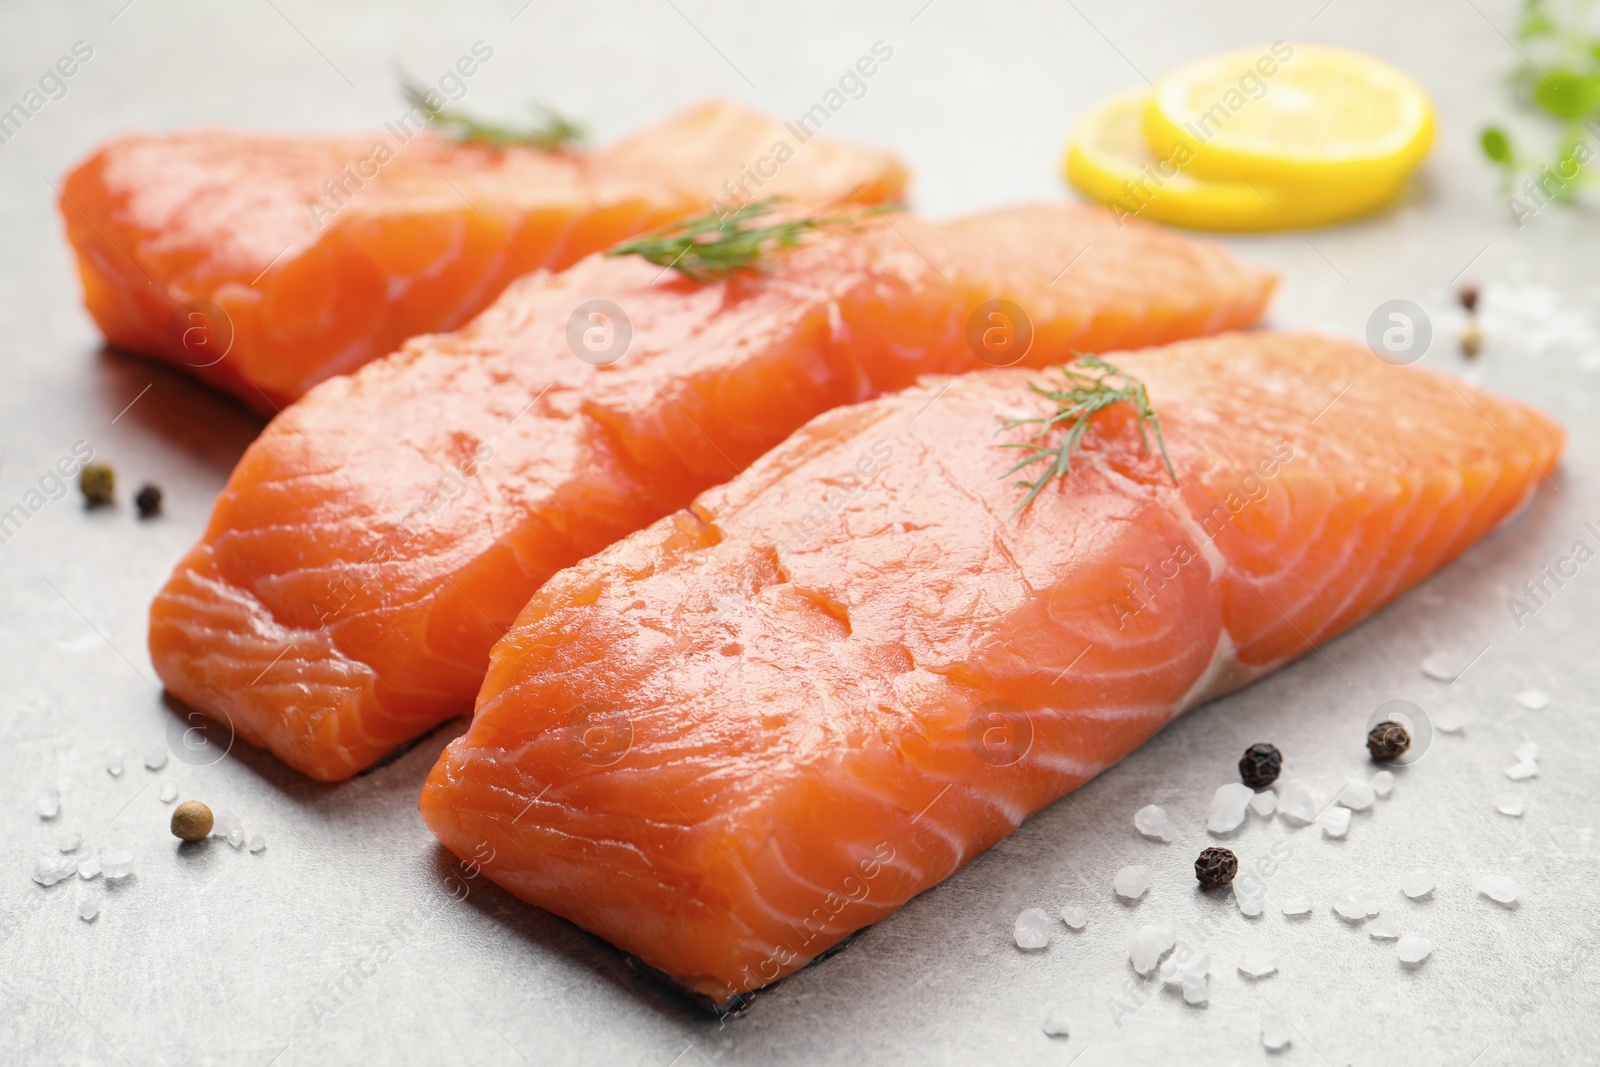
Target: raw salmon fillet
325,252
735,737
383,533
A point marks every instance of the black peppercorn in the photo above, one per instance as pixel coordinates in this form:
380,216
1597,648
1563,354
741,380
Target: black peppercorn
1260,766
1388,740
1215,868
148,501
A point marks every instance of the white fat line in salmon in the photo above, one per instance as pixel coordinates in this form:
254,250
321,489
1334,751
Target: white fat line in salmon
54,484
451,486
764,168
1541,589
853,890
452,84
1252,881
806,526
1251,489
1252,85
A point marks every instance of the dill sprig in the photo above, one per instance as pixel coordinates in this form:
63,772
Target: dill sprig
1090,386
553,133
713,246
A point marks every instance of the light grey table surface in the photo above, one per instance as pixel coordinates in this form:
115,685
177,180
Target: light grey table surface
342,941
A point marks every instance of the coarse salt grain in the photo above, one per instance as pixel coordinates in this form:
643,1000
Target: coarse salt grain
1382,783
1384,928
1151,821
88,908
1264,803
48,870
1440,666
1258,963
1413,949
1450,720
1131,883
49,803
1075,917
1274,1032
1526,769
1499,888
1250,903
1351,904
1148,944
89,865
1357,795
169,793
1296,803
1055,1023
1336,821
1510,804
1228,806
114,768
1031,931
1419,883
117,864
1534,699
1526,752
1297,906
258,842
155,759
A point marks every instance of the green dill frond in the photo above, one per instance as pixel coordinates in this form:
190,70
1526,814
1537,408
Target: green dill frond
715,246
553,132
1089,385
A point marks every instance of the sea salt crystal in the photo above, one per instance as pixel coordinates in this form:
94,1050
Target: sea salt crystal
117,864
1258,963
88,908
89,865
1527,752
49,803
1296,804
226,825
1413,949
1250,904
1076,918
114,768
1274,1032
1055,1023
1335,821
1384,928
1369,900
155,759
71,843
1228,806
1450,720
1297,906
1264,803
1499,888
1382,783
48,870
1357,795
1196,990
257,842
1032,929
1132,883
1148,944
1510,804
1185,964
1419,883
1440,666
1518,772
169,792
1534,699
1351,904
1151,821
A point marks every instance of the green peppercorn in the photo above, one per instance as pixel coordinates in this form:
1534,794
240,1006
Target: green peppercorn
98,482
1387,741
1216,868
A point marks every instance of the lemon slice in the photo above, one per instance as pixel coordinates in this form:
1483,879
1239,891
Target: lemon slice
1292,113
1109,160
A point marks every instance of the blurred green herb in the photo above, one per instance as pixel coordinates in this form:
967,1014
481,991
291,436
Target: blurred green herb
1559,75
714,246
1089,386
554,132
